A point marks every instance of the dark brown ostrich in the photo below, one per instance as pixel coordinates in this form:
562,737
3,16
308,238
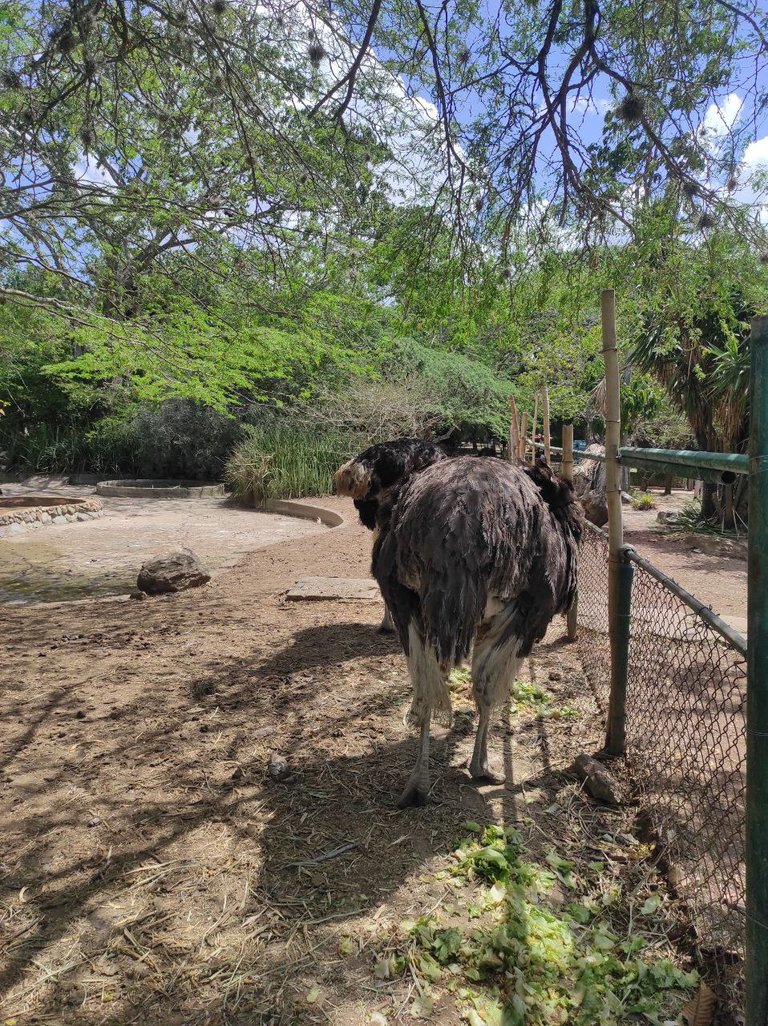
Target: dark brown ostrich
474,557
400,459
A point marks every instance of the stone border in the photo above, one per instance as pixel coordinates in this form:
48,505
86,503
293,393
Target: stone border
65,512
301,510
145,488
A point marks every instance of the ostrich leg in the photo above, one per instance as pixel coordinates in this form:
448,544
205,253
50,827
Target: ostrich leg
430,694
417,789
387,624
480,765
495,663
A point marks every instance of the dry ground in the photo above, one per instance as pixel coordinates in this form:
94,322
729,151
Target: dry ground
720,581
151,871
103,557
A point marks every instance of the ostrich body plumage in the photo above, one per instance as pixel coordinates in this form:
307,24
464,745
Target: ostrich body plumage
474,557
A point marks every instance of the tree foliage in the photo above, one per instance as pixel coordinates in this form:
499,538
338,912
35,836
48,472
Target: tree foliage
283,204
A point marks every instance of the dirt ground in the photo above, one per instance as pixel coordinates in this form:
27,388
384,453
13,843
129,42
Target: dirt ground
152,871
720,581
103,557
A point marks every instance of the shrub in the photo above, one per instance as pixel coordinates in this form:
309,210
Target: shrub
643,501
689,519
181,438
375,410
174,439
286,460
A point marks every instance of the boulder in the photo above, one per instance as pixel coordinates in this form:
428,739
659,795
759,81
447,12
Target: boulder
599,781
595,507
175,571
589,475
667,516
589,485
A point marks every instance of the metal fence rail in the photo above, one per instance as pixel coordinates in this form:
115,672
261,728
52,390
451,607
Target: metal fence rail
685,741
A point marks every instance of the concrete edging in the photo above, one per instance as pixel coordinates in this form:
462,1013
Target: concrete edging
301,510
145,488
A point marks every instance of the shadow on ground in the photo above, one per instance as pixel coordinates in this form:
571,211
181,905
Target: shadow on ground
156,874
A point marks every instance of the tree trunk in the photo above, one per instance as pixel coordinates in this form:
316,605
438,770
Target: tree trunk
708,493
729,520
707,443
668,485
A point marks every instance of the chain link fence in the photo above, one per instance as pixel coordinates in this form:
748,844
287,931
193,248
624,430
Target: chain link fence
686,744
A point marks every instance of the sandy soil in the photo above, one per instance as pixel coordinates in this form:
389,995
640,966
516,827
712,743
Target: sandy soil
719,581
151,870
103,557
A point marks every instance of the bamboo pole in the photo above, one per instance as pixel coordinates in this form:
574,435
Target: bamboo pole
572,617
523,435
533,428
547,434
567,470
514,431
757,685
619,570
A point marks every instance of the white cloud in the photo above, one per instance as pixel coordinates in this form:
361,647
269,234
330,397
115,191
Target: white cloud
88,171
589,105
756,155
721,117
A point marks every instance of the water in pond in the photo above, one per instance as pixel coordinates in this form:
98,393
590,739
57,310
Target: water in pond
36,572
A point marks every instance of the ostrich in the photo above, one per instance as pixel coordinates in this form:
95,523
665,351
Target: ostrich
399,460
474,557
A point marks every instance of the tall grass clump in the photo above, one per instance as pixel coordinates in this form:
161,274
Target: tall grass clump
643,500
287,461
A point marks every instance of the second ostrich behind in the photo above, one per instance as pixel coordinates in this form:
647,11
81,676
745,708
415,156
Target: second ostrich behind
474,557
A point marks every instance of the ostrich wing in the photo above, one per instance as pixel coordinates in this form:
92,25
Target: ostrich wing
465,531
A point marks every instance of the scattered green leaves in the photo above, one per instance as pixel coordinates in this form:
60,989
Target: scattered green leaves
517,957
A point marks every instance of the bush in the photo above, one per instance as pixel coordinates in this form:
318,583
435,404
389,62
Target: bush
374,410
174,439
643,501
181,439
460,394
690,519
286,460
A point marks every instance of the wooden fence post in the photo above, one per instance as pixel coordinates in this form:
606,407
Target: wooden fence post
619,570
514,432
572,617
547,434
523,435
533,428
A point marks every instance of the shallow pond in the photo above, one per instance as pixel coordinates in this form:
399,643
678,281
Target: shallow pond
36,572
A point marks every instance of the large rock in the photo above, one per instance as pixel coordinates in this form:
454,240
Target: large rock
175,571
599,781
595,507
589,485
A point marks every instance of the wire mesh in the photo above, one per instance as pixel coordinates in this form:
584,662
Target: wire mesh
686,746
593,644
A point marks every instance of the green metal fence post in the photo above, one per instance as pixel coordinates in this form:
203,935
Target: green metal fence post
617,708
757,685
614,739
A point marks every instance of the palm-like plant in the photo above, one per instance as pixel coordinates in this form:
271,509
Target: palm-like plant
703,362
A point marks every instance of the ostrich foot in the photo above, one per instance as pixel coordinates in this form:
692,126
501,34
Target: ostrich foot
416,792
484,769
387,624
